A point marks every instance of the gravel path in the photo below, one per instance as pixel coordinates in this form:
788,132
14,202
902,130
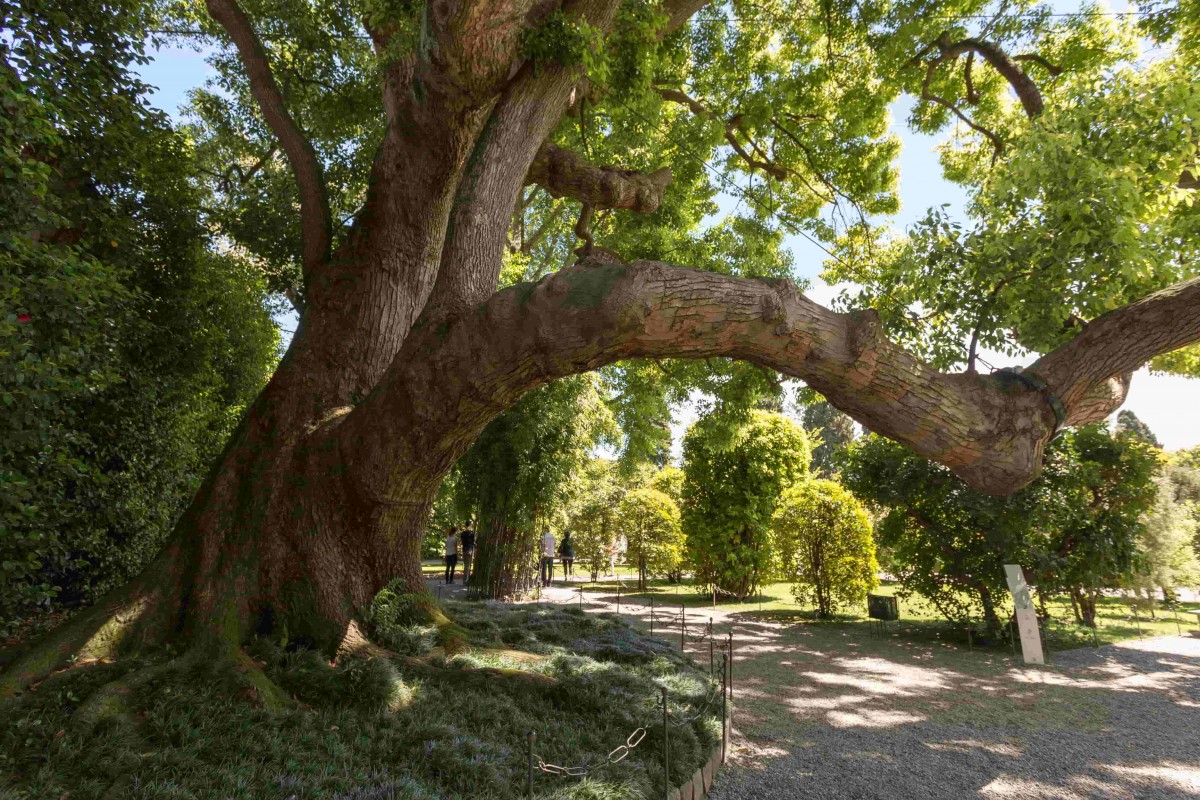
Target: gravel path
827,711
823,718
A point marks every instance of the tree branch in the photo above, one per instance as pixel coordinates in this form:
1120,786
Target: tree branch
732,127
564,173
310,181
531,105
991,430
1027,91
680,11
1086,372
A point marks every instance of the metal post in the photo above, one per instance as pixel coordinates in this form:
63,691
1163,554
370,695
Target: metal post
970,637
530,738
682,625
714,595
666,749
618,597
724,702
1178,630
730,673
710,649
651,616
581,598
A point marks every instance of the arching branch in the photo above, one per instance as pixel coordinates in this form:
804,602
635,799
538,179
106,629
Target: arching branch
1026,89
310,180
992,432
1115,344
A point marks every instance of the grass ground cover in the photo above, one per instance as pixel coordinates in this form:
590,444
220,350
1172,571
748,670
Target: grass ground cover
416,724
1118,619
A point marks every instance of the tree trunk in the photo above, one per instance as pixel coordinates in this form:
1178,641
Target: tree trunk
1085,599
990,617
505,562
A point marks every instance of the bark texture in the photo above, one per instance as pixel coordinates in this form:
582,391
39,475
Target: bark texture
405,350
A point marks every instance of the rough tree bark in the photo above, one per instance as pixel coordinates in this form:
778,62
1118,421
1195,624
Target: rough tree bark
405,351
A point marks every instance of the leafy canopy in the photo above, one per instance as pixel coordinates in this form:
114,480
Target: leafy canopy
1075,528
825,545
730,490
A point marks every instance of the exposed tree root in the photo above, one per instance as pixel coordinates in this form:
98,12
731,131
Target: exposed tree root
111,701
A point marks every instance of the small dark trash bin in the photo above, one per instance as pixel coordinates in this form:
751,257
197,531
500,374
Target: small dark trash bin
882,606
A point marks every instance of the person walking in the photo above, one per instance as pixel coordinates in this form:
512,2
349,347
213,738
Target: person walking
451,554
547,558
467,540
566,551
613,549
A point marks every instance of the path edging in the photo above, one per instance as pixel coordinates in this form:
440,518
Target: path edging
701,782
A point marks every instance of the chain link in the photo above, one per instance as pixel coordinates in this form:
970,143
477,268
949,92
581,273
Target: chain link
618,754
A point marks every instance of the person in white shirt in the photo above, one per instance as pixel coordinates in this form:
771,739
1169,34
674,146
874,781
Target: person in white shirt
451,554
548,553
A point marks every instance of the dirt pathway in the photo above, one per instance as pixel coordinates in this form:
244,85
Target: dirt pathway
827,711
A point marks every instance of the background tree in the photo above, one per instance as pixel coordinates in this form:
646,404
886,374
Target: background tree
1128,424
1075,528
831,431
825,545
1166,545
732,483
128,346
594,518
649,520
1101,488
516,479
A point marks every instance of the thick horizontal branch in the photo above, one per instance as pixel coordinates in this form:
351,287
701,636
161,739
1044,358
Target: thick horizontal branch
990,430
314,202
563,173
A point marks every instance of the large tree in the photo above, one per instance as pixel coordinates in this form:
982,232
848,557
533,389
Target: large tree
380,151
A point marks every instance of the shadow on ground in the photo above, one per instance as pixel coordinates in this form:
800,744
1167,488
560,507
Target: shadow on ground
829,711
826,711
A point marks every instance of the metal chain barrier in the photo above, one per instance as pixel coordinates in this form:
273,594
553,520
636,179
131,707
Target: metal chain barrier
617,754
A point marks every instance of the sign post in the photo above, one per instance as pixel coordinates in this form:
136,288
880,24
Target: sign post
1031,641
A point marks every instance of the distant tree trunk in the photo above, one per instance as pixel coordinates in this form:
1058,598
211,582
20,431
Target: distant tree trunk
505,560
990,618
1085,599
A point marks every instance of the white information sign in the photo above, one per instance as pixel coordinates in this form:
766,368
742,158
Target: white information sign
1031,640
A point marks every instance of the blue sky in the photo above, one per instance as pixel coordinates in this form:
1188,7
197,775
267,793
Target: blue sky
1166,403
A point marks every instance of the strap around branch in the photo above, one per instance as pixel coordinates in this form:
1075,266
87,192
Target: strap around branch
1033,381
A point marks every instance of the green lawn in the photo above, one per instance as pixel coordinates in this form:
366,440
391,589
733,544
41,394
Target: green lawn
918,618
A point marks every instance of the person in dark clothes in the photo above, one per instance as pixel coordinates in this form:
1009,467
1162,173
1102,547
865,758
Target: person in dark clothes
566,551
547,558
467,540
451,554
